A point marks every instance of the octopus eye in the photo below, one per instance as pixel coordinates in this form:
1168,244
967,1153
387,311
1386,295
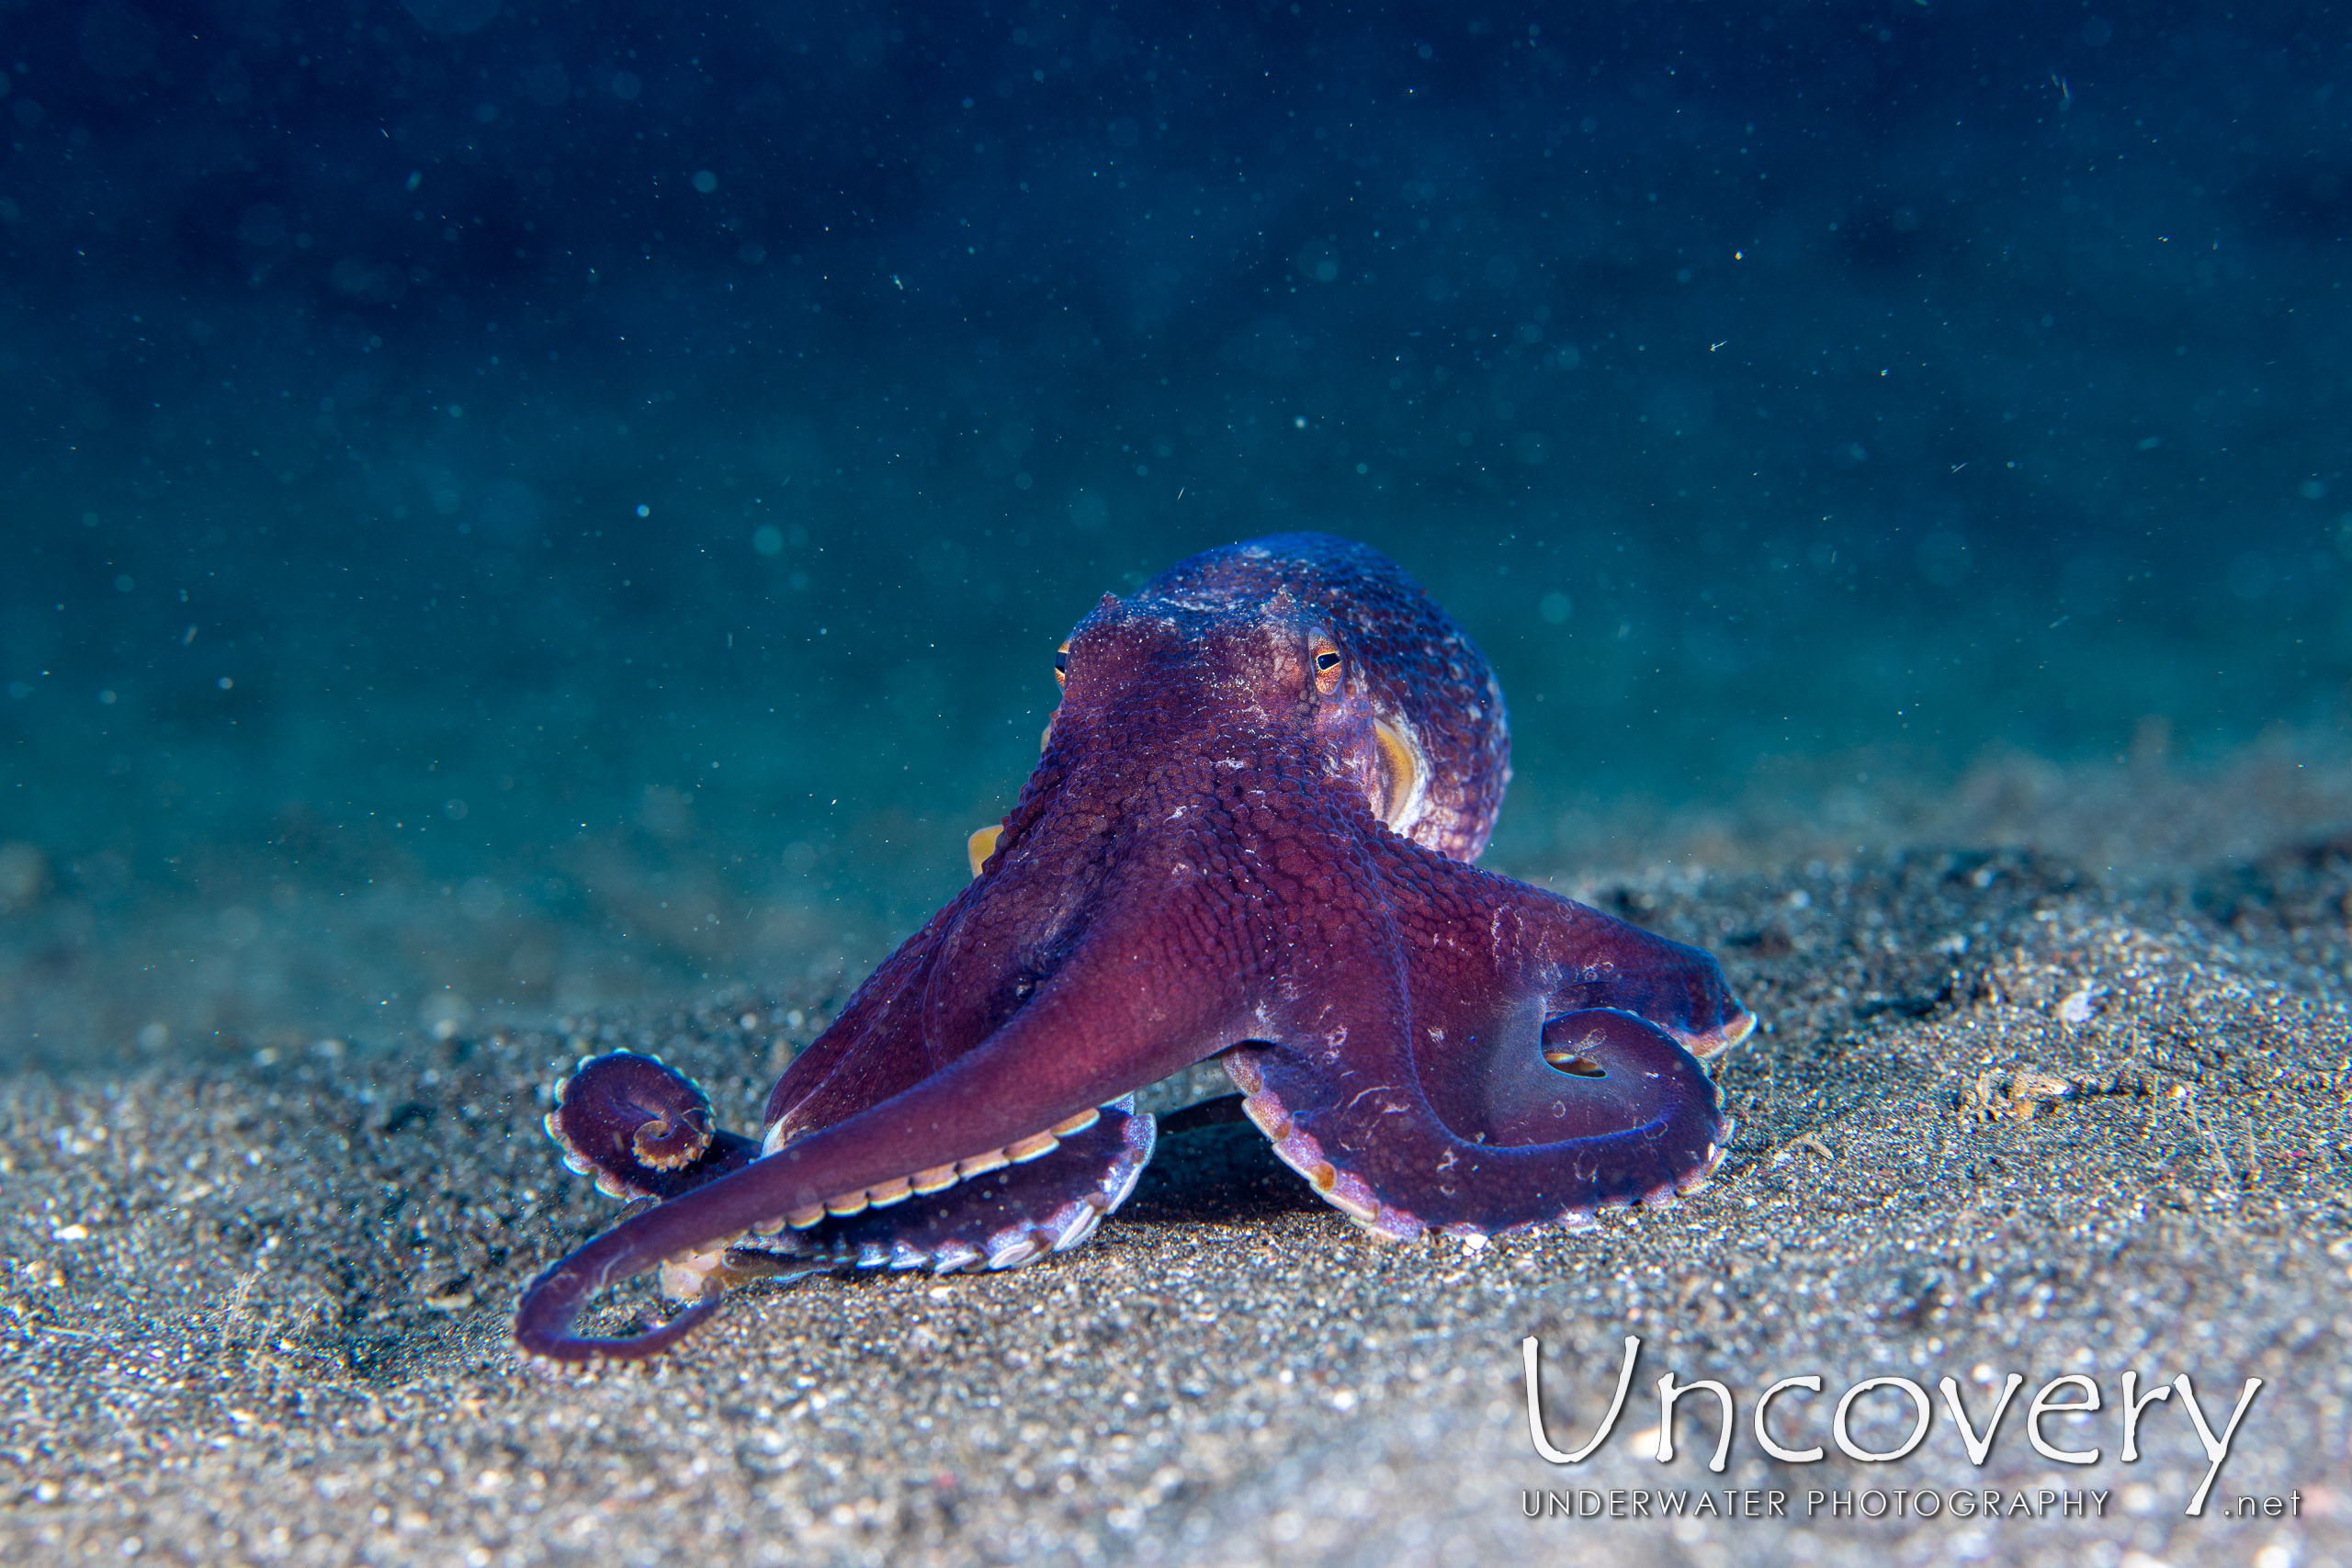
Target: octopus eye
1061,665
1327,669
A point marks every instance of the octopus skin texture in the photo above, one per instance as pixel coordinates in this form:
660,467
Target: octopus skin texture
1250,835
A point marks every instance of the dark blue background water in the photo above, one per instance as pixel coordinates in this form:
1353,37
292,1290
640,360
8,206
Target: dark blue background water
509,502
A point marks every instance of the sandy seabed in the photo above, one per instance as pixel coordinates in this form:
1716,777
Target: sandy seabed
2010,1111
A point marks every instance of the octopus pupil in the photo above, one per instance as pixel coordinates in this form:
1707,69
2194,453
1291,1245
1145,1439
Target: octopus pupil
1325,661
1062,662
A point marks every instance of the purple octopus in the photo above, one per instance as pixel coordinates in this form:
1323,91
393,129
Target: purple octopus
1249,837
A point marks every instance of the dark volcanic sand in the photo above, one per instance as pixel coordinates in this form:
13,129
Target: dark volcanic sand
256,1305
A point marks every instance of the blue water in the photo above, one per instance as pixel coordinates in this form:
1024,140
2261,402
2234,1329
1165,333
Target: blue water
514,505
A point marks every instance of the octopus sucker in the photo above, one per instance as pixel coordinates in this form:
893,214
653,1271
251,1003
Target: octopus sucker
956,1258
1014,1251
1034,1146
1295,724
1267,1114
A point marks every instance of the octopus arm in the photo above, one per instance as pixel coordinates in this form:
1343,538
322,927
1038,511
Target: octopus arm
1492,1080
1082,1044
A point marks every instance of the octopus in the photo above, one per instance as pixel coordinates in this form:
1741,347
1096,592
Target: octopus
1250,836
